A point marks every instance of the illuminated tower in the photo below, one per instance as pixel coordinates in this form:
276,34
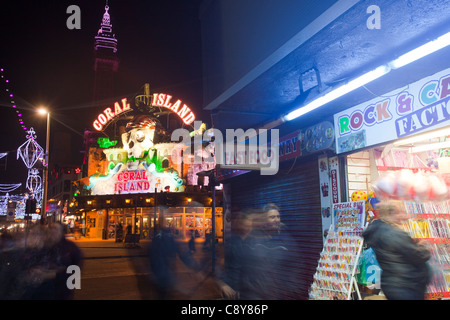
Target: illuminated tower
106,66
106,61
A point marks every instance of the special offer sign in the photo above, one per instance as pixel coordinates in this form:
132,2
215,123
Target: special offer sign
421,106
349,216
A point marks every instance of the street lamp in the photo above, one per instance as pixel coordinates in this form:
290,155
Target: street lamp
44,111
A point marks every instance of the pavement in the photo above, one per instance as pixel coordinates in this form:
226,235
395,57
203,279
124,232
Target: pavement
112,271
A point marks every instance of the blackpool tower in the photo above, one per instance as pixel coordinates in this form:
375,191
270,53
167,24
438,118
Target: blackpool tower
106,62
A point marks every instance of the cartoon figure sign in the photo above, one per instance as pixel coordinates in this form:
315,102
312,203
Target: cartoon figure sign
138,167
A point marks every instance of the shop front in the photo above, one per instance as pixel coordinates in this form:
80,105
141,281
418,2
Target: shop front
295,193
143,166
183,222
396,147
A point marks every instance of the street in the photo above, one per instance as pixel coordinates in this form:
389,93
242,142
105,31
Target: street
111,271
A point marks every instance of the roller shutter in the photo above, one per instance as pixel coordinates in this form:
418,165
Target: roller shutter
295,190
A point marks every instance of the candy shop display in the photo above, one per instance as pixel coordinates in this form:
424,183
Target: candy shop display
408,185
334,277
430,222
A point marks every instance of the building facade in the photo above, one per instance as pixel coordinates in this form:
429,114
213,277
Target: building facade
291,66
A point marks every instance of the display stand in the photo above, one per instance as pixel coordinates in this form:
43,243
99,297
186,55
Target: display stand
430,222
335,274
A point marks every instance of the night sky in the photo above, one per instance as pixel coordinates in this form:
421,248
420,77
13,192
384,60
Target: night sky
159,42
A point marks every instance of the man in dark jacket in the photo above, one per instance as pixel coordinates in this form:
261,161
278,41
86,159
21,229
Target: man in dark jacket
403,262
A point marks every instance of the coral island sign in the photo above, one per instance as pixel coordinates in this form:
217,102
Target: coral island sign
110,113
157,100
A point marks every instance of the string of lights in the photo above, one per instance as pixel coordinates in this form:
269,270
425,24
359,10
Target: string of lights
11,98
8,187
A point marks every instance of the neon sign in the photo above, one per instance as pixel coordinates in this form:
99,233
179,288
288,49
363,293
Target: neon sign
132,181
157,100
181,109
108,114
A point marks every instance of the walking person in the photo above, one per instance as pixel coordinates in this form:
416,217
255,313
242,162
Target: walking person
405,273
191,243
236,281
119,232
273,247
163,253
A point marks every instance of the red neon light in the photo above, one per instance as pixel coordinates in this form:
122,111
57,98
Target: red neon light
159,100
108,114
163,100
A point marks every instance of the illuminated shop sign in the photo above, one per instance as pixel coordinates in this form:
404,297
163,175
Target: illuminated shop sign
109,113
117,178
132,181
178,107
157,100
140,166
423,106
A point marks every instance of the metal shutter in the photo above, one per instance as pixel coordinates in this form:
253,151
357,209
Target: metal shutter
295,190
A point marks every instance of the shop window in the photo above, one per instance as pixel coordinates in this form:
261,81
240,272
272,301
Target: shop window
422,190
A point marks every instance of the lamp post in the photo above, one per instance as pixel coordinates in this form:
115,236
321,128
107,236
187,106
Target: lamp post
46,158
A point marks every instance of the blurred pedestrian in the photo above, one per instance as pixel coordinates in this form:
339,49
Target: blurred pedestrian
273,247
272,225
236,280
47,256
77,230
163,253
119,232
405,273
65,253
39,266
191,243
11,267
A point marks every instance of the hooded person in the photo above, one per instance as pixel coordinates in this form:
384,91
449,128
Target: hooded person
405,273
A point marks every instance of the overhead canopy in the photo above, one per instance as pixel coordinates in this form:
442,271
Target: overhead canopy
343,49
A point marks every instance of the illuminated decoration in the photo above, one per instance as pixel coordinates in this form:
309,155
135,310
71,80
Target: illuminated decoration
34,184
199,131
146,162
160,100
19,209
109,113
178,107
163,100
30,152
105,38
144,100
105,143
9,187
11,100
141,166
